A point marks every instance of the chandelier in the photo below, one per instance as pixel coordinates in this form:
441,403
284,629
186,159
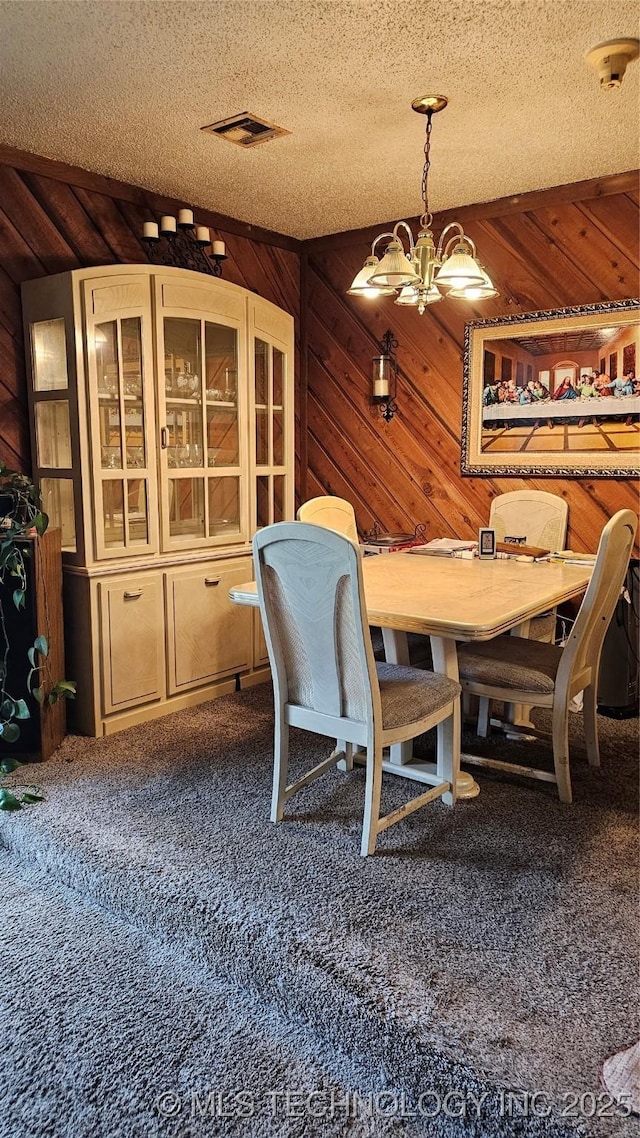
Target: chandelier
421,273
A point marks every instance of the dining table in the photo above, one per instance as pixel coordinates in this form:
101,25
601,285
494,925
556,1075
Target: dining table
451,599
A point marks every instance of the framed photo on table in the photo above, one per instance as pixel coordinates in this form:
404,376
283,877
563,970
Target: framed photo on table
537,399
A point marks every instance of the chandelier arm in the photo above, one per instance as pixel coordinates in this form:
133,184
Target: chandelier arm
460,233
380,237
465,237
404,226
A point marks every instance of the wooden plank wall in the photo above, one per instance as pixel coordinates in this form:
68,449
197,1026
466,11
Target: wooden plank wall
573,245
55,217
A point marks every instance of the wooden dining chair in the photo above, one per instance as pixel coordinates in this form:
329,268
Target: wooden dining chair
517,670
332,513
325,678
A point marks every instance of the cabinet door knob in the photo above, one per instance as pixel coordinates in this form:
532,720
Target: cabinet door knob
132,595
212,581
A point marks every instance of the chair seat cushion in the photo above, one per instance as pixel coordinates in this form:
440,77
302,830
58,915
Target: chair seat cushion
511,662
409,694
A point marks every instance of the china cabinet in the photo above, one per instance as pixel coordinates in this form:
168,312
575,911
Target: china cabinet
161,407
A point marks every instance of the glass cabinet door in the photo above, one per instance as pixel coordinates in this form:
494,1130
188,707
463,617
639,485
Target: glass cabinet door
200,436
271,410
123,455
53,459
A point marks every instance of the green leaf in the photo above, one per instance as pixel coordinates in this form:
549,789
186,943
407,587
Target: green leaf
8,765
32,657
65,687
41,645
7,708
30,796
21,711
18,598
8,801
41,521
10,732
38,693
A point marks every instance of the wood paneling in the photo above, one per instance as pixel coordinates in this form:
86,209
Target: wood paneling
550,249
570,245
55,217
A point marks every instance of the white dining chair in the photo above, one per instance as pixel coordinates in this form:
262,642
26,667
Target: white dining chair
332,513
519,670
539,518
325,677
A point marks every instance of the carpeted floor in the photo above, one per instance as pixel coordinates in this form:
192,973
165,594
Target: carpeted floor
160,935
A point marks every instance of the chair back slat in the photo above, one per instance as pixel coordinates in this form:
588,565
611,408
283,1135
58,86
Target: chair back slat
582,652
311,598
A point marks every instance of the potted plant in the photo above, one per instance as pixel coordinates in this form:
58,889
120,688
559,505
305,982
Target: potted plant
21,517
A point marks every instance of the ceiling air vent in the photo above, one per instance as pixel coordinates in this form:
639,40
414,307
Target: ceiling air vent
245,130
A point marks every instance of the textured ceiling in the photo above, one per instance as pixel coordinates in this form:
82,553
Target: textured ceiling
122,89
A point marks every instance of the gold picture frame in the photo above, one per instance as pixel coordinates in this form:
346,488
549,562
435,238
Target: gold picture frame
554,393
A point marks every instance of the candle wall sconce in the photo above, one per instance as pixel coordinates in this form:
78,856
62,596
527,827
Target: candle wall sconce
385,377
183,245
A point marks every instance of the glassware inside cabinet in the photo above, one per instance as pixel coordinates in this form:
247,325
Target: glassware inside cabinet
221,364
182,356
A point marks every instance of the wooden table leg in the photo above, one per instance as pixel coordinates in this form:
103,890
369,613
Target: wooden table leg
445,660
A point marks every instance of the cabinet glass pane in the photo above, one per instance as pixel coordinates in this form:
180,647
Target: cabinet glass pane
106,344
221,363
57,503
278,497
131,333
186,507
224,506
134,434
182,358
184,436
137,511
113,512
223,446
53,434
262,501
110,434
49,355
278,377
262,436
261,362
278,438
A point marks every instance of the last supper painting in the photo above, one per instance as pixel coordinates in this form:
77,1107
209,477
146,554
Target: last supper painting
554,392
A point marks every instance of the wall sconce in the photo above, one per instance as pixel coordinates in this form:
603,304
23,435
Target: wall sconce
385,377
183,245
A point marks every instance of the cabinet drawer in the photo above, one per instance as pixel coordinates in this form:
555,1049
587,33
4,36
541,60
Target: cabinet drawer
132,641
207,635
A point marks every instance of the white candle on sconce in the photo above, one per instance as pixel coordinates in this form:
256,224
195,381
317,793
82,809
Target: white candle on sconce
150,229
203,235
218,248
185,217
168,224
381,377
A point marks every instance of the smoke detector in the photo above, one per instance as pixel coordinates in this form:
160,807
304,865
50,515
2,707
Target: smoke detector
610,60
245,129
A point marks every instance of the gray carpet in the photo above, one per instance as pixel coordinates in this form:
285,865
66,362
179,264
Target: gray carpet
159,933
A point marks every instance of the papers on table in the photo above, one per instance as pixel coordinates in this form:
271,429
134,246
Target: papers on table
447,547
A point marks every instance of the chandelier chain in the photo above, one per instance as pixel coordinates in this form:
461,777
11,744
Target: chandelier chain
427,218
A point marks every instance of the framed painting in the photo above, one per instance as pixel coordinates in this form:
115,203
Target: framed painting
553,393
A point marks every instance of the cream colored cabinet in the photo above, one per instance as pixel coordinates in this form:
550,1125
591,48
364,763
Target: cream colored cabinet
162,435
208,637
132,641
